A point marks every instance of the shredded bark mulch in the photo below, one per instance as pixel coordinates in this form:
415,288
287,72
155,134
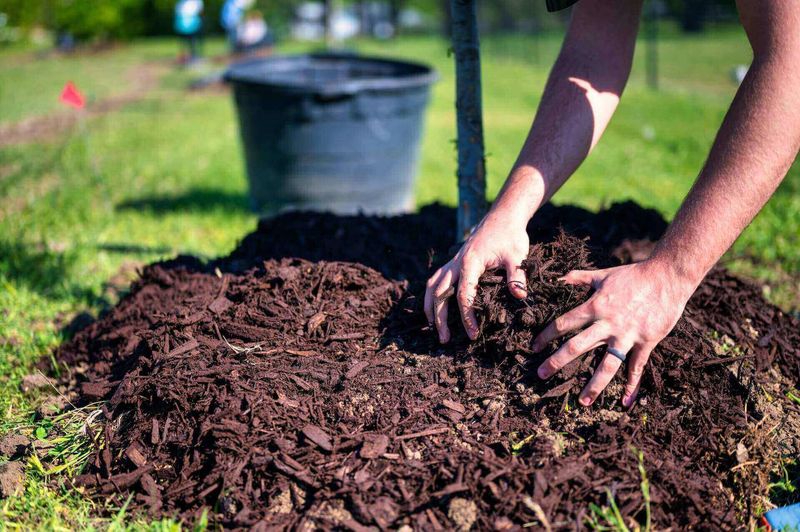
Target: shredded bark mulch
296,384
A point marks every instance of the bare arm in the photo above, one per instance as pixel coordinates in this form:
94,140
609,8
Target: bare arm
635,306
581,94
754,148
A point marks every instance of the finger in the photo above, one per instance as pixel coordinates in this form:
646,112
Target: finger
517,283
579,344
576,318
430,286
636,363
471,271
441,295
583,277
604,372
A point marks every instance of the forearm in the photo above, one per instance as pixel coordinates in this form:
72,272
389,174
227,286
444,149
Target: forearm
754,149
581,95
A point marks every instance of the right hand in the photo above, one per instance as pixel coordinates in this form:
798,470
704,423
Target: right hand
499,241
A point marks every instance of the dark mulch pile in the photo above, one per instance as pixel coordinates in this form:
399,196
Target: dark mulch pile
295,383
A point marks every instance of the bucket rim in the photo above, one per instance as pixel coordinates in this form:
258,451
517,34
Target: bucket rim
425,75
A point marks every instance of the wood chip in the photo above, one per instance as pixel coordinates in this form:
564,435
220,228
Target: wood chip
318,436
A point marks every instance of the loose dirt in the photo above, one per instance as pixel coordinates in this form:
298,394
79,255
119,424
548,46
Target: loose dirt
295,384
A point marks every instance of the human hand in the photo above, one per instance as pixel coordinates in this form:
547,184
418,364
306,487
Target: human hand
631,310
499,241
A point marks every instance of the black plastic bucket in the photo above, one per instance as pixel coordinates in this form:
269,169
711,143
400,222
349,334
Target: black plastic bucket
331,132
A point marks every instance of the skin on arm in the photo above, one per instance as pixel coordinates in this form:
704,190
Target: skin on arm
579,99
635,306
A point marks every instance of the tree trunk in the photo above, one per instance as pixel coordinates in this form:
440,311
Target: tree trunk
364,19
330,8
471,162
507,21
395,7
693,19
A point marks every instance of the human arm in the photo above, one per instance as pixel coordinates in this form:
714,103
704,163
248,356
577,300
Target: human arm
634,307
580,97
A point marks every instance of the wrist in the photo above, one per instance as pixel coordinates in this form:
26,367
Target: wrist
682,280
518,200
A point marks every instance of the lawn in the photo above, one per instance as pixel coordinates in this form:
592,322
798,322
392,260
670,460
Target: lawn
163,175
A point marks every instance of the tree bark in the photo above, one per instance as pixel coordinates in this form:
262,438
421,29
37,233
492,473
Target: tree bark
330,8
471,161
395,7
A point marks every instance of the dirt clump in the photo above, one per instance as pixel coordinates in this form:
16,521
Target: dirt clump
296,384
51,406
14,445
34,381
12,479
462,513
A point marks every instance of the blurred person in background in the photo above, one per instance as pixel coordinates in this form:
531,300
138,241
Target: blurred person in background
231,19
254,33
189,25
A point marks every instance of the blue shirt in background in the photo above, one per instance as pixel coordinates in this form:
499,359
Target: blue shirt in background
187,16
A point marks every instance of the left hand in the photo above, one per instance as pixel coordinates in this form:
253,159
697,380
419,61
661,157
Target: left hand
632,308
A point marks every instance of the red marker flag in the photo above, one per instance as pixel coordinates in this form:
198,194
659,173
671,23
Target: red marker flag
72,96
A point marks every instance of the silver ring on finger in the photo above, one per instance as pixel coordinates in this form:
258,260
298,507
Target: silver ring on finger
617,353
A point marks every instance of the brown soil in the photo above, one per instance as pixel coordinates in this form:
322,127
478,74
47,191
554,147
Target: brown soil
296,384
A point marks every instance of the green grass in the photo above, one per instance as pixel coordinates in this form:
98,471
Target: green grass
608,517
164,175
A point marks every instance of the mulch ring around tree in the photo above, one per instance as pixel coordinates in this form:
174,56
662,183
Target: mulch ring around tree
296,384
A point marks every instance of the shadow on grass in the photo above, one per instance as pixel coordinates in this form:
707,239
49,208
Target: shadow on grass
125,248
40,269
196,200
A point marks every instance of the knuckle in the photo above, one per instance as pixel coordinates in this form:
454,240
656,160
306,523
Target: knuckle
572,348
464,299
467,266
600,302
552,365
610,365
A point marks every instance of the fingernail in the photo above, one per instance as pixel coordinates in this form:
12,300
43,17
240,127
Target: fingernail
586,400
542,372
627,401
536,347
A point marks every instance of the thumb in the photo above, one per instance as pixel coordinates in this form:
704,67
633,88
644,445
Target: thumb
517,283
